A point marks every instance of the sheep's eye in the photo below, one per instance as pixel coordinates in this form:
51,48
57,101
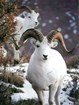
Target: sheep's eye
37,45
29,16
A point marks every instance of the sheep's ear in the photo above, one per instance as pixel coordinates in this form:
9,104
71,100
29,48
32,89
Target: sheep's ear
37,14
33,41
54,44
23,15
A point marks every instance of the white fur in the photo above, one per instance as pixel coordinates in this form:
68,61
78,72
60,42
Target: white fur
46,74
22,25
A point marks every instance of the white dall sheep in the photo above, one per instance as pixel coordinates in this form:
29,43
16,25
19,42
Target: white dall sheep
47,67
26,20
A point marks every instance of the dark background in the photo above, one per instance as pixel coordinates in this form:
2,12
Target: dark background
62,15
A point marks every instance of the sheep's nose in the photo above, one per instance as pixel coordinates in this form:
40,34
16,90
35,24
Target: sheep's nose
45,57
36,23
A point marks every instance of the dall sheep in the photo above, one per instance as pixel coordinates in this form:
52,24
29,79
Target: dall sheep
26,20
47,67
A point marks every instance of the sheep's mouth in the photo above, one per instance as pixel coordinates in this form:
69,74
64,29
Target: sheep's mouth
44,58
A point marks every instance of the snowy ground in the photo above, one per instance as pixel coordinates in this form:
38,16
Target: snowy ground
29,93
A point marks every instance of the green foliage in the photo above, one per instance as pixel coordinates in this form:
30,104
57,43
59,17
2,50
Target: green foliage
76,93
5,96
28,102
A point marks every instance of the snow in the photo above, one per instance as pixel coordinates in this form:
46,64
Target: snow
50,21
72,22
43,24
66,36
29,93
68,13
75,31
64,96
57,18
59,29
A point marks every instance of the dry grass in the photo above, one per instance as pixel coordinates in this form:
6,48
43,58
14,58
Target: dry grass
24,59
12,78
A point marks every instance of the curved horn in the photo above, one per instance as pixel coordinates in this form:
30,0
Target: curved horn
31,33
23,8
56,35
26,8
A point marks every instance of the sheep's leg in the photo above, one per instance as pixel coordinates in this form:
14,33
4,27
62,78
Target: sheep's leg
40,94
52,92
16,56
57,96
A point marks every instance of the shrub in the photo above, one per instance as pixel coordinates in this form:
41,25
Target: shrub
5,94
12,78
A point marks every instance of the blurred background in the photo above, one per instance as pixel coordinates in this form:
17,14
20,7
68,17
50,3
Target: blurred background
61,15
